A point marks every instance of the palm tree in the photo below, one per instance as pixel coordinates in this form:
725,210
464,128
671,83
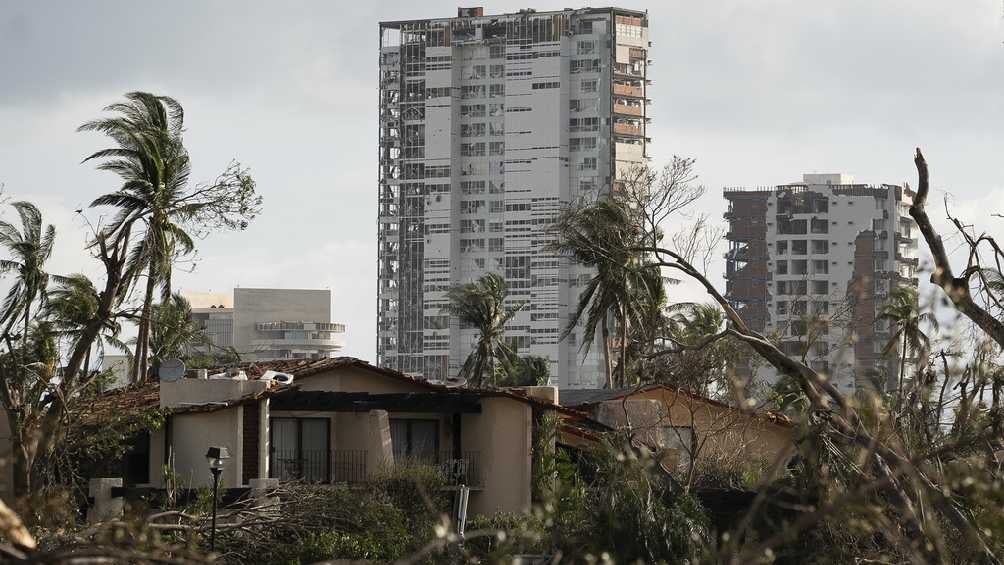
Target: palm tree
902,311
530,370
174,332
701,370
481,305
29,248
72,305
153,163
603,236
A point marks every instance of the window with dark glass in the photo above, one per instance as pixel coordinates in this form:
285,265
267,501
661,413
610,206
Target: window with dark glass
299,449
414,439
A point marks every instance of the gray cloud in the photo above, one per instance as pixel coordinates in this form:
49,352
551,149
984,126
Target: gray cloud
759,92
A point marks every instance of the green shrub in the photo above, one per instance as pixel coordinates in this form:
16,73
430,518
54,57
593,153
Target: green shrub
521,534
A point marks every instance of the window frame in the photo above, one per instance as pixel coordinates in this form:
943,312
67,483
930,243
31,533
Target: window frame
272,468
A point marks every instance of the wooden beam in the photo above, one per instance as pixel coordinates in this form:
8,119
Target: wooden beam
431,402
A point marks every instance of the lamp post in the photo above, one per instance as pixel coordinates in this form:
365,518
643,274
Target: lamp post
215,457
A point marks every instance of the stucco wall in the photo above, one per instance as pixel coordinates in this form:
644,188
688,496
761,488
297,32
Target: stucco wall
356,380
192,434
502,432
253,305
718,430
189,392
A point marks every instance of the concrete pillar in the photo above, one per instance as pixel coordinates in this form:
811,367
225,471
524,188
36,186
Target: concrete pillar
105,507
261,492
379,450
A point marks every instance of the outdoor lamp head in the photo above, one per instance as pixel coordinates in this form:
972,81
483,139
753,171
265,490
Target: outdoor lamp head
215,457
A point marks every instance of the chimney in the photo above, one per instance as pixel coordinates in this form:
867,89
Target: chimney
470,12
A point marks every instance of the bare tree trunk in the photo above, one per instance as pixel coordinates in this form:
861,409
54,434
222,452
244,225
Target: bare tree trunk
902,372
956,289
606,353
143,336
22,455
623,345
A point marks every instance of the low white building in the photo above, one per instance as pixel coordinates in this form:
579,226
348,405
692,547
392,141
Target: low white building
264,324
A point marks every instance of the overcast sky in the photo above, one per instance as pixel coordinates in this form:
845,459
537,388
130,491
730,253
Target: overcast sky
757,91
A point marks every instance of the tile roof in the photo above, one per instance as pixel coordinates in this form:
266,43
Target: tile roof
147,396
582,398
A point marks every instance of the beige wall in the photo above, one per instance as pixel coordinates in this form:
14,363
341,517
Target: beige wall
352,379
252,305
192,434
502,433
718,430
190,392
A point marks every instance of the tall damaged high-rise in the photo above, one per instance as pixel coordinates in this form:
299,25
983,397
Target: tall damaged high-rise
813,263
489,125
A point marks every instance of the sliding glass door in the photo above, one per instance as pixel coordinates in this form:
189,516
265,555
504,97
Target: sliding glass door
300,449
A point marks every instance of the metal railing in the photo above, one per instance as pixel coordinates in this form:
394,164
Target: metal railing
300,465
299,325
348,466
466,470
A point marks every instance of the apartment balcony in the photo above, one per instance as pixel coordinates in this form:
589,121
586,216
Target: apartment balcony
625,110
281,326
628,129
627,70
287,346
632,91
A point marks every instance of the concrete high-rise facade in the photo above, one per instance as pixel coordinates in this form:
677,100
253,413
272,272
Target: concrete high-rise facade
265,324
489,125
813,263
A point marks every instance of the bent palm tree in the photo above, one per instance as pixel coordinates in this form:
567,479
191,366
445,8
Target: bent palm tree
29,248
71,306
153,163
902,312
603,235
481,305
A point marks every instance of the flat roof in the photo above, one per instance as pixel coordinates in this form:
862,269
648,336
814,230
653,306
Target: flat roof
625,11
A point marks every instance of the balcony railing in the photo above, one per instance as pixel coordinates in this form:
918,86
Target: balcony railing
466,471
298,325
628,110
347,465
628,70
627,90
350,466
300,465
627,129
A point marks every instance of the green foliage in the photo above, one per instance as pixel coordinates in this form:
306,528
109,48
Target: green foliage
604,235
508,534
544,458
382,522
633,512
529,370
417,490
93,450
173,331
614,502
482,305
323,546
